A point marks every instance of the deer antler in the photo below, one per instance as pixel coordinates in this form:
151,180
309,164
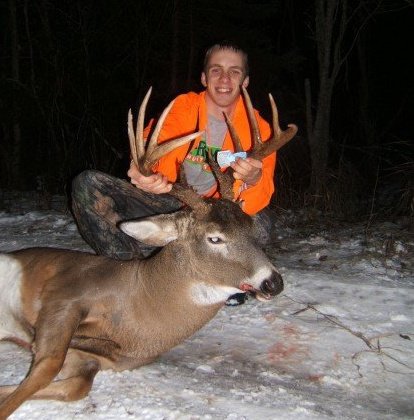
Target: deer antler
225,180
260,148
146,157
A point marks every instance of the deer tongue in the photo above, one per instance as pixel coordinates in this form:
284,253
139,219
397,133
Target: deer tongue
257,294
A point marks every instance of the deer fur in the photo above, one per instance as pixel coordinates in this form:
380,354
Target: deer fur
81,313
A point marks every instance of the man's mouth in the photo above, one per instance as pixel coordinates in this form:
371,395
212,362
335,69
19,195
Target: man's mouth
223,90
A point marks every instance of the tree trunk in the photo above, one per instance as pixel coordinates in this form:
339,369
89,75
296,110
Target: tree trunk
15,158
319,134
336,31
319,141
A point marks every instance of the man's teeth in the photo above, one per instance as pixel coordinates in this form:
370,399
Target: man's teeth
223,90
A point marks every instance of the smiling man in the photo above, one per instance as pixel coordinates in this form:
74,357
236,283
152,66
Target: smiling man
225,70
100,201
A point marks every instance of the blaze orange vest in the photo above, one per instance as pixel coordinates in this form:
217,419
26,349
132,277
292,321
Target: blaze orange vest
189,114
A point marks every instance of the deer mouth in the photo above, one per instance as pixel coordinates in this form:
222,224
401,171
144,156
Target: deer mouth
268,289
248,290
260,296
257,294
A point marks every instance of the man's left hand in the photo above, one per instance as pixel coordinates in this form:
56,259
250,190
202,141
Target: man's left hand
248,170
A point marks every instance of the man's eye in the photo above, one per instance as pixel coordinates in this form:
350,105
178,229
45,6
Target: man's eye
235,73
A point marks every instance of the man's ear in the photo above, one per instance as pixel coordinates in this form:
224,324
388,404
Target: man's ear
203,79
245,82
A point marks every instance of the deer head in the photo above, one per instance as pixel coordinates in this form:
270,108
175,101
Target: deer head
213,230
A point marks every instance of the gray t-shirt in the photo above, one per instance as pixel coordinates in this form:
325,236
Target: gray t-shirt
197,171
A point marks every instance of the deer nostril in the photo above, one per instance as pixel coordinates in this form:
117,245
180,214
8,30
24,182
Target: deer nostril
272,286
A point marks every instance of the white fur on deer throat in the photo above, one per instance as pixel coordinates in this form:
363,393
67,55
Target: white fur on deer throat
10,297
207,294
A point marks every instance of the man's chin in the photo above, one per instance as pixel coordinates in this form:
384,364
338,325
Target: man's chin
224,100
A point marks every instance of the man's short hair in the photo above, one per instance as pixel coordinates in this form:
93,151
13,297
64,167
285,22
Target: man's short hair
227,45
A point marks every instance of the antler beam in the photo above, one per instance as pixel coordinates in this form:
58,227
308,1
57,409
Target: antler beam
260,148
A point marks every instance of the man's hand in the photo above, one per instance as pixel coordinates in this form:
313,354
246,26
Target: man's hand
248,170
155,183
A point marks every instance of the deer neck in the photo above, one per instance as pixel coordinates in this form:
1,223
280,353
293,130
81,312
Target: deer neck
176,285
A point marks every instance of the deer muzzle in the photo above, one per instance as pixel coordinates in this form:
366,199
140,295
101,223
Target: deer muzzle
270,287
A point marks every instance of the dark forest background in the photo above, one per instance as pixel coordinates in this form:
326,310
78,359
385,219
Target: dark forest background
340,70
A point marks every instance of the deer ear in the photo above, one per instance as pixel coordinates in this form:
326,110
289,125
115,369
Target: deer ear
155,231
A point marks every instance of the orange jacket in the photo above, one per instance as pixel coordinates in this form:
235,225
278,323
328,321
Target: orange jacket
189,114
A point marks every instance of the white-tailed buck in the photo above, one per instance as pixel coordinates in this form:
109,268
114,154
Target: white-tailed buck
80,313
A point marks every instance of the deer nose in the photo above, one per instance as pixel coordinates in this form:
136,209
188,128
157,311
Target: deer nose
272,286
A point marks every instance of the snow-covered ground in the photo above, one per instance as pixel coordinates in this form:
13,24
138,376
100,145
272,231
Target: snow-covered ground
338,343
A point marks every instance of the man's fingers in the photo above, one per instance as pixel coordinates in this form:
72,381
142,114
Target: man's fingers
247,164
155,183
248,170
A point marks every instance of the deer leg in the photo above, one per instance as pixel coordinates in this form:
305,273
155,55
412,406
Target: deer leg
51,344
40,375
74,381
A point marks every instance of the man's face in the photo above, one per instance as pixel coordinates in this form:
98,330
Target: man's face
222,78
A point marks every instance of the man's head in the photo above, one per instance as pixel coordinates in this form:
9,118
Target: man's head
225,70
226,45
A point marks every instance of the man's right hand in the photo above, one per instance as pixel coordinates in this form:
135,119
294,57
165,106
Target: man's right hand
155,183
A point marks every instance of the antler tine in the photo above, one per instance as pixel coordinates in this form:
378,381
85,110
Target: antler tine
145,159
155,151
136,141
279,138
233,134
164,148
257,139
225,180
261,149
131,137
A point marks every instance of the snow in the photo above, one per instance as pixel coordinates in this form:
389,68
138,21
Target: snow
338,342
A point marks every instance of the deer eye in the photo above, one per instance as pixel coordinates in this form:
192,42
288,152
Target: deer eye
215,240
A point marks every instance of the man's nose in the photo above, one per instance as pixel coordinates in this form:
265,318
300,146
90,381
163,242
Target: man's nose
224,75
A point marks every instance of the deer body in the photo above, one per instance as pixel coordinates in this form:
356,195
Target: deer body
85,312
136,313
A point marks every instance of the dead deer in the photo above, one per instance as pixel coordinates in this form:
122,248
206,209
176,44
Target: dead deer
80,313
